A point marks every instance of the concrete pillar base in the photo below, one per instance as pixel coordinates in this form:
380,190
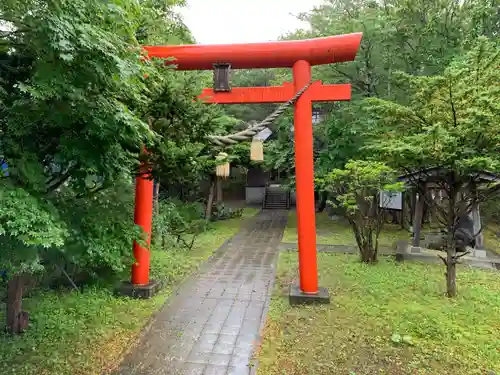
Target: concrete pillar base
297,297
147,291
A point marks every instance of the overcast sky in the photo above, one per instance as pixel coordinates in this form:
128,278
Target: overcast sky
240,21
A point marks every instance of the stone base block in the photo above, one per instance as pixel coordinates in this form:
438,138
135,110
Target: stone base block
297,297
128,289
415,250
479,253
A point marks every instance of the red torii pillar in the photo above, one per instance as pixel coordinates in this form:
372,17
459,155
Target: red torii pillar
299,55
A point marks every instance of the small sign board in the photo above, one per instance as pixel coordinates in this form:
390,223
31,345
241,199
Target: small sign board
391,200
263,135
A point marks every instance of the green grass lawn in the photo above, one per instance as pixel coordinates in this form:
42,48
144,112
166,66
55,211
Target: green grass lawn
338,232
86,333
354,334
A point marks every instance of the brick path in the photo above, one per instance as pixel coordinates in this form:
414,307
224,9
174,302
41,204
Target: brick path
213,324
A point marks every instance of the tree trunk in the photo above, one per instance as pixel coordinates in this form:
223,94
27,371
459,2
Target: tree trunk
374,256
365,255
451,266
412,205
156,197
451,250
367,252
208,211
219,191
322,201
451,278
156,232
368,255
17,320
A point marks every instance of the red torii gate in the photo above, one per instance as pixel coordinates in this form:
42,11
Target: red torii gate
299,55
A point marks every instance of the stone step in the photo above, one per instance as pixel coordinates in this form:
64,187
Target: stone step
276,198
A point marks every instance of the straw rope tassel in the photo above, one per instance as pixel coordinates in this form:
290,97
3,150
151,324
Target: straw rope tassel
257,150
222,169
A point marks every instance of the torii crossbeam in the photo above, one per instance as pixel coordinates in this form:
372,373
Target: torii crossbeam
299,55
317,92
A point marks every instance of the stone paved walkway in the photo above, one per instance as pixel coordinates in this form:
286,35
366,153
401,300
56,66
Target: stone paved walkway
212,325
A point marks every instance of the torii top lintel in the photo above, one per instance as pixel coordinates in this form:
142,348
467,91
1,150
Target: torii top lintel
280,54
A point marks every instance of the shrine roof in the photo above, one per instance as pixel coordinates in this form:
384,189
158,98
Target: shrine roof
436,174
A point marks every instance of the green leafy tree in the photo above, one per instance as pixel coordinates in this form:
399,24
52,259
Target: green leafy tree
452,122
101,232
179,222
159,23
356,190
28,227
180,154
418,37
76,102
279,149
70,77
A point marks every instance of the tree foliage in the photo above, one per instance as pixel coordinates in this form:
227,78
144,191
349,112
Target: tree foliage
417,37
452,122
179,222
78,104
27,224
356,193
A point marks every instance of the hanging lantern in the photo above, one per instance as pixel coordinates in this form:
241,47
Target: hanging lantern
257,150
223,167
